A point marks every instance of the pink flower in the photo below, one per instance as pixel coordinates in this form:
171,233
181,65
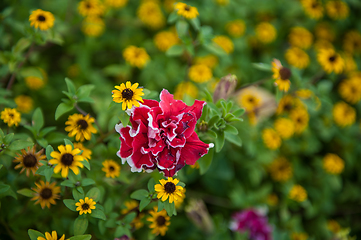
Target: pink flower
162,135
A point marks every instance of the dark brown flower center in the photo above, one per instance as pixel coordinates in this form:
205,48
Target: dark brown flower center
169,187
299,120
111,169
41,18
251,99
332,58
88,5
187,8
46,193
127,94
288,107
67,159
11,115
160,221
82,124
85,206
29,160
285,73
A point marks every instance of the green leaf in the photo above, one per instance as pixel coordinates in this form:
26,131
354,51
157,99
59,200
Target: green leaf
42,142
182,28
160,206
20,144
48,173
26,192
46,130
143,203
84,91
195,23
86,164
169,207
70,203
151,184
230,129
68,142
8,138
139,194
77,195
38,119
62,108
97,213
173,17
214,48
119,231
206,161
86,99
129,217
219,141
21,45
213,121
239,112
2,135
33,234
94,193
87,181
70,85
262,67
174,51
67,183
48,151
81,237
80,225
235,139
4,188
124,118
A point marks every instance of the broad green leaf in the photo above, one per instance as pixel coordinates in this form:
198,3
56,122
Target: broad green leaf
230,129
46,130
33,234
143,203
93,193
70,203
20,144
97,213
262,67
139,194
119,231
195,23
48,151
4,188
77,195
26,192
8,138
42,142
48,173
68,142
174,51
239,112
67,183
70,85
173,17
38,119
219,141
81,237
61,109
182,28
129,217
87,181
214,48
80,225
169,207
160,206
206,161
84,91
86,164
235,139
21,45
151,184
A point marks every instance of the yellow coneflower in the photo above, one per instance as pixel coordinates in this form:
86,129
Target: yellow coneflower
186,11
46,193
116,3
281,75
136,57
271,138
322,44
85,206
298,193
67,158
168,188
343,114
300,37
249,100
91,8
337,9
93,26
313,8
111,168
150,13
236,28
159,221
29,160
200,73
333,226
185,88
297,57
133,206
169,5
178,202
350,89
350,64
286,104
53,236
165,39
333,164
304,93
324,31
11,117
80,126
208,60
34,83
300,119
284,127
86,153
280,169
128,95
266,32
41,19
330,61
24,103
352,42
224,42
299,236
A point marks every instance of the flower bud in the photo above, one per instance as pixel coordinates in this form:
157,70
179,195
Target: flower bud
225,87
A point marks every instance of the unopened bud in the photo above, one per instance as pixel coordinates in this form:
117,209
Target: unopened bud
225,87
203,126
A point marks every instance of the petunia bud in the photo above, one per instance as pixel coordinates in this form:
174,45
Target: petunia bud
225,87
202,126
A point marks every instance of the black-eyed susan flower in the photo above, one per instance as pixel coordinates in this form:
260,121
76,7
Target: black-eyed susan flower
350,64
136,57
200,73
91,8
80,126
236,28
266,32
150,13
85,206
297,193
333,226
11,116
322,44
180,200
280,169
297,57
24,103
304,93
46,193
86,153
29,160
343,114
128,95
185,88
287,103
67,158
337,9
313,8
168,188
93,26
299,236
111,168
284,127
330,60
281,75
186,11
249,100
165,40
300,37
159,221
116,3
352,42
53,236
133,206
271,138
323,30
333,164
224,42
208,60
34,83
300,118
350,89
41,19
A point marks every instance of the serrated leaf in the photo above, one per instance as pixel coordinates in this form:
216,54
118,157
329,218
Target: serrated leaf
70,203
20,144
143,203
61,109
33,234
26,192
93,193
97,213
139,194
80,225
37,119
